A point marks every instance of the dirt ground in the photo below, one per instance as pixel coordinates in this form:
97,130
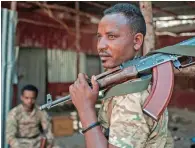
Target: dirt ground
181,124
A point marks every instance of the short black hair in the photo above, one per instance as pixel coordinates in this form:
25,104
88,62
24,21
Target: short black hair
30,87
132,13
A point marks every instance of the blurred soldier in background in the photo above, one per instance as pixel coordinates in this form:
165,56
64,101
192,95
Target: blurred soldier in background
26,124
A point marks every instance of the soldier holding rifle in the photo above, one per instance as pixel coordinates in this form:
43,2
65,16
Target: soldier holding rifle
121,121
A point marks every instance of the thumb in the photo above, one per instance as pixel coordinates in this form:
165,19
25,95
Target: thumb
95,85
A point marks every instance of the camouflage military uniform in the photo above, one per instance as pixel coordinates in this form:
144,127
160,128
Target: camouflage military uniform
127,127
23,128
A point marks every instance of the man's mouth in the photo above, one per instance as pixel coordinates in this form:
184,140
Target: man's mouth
104,58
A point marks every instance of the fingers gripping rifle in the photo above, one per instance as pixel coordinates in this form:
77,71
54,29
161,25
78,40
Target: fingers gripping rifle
161,62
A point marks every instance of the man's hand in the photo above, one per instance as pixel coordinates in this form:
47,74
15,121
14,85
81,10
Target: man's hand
83,96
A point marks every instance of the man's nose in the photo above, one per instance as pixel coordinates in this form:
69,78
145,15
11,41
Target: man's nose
30,101
102,44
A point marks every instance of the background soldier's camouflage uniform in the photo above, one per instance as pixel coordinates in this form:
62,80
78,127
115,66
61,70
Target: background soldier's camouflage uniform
129,127
23,128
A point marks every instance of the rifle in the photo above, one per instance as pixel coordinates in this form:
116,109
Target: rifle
160,62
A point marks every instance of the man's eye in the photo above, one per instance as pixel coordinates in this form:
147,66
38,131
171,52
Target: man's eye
98,35
98,38
111,37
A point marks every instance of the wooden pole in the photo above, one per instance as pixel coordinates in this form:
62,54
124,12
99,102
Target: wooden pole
78,35
14,5
77,43
149,43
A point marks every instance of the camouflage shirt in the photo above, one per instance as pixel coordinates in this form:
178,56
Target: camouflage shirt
126,126
23,128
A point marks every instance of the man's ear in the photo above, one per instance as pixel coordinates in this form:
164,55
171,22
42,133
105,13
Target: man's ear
21,98
138,41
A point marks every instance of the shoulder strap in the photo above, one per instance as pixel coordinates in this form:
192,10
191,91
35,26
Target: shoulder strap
183,50
128,87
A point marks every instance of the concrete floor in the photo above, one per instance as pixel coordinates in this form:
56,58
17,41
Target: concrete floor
181,124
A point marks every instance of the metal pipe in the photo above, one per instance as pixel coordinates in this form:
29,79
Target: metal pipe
8,60
4,23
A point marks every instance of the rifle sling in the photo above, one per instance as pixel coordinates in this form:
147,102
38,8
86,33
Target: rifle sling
183,50
128,87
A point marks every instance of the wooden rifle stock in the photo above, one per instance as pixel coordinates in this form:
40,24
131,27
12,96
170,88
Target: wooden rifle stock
43,142
116,77
162,88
